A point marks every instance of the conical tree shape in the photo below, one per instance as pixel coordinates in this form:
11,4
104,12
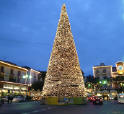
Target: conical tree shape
64,77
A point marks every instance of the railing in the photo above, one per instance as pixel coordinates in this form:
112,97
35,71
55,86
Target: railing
11,77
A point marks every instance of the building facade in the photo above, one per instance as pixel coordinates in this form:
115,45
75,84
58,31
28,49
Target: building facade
118,76
11,79
7,88
32,76
12,73
114,74
119,69
16,79
102,71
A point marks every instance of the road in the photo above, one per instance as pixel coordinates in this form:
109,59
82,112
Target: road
36,108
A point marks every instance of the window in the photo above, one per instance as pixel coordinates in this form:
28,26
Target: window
34,75
19,73
11,71
18,78
2,69
97,71
104,70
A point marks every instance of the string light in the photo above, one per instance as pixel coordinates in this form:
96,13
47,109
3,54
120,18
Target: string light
64,77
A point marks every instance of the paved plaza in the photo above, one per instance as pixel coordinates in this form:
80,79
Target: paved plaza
35,108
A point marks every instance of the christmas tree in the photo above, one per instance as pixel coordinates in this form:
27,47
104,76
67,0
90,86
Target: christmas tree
64,77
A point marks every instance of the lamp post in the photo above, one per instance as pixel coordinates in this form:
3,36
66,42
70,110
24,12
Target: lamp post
26,77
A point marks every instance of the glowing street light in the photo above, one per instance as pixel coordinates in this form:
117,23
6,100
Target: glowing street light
100,82
30,76
25,76
89,85
104,82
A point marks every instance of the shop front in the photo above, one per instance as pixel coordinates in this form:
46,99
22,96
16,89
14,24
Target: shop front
7,88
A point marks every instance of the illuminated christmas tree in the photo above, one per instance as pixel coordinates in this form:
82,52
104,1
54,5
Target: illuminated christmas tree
64,77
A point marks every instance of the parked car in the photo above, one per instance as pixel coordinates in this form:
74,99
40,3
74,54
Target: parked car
92,98
120,98
18,99
98,100
111,97
115,98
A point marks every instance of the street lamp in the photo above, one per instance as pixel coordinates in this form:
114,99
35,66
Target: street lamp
26,77
89,85
100,82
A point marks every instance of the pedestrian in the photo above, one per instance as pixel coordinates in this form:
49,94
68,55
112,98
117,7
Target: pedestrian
11,98
2,101
8,99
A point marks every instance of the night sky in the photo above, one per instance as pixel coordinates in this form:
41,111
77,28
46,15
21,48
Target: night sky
28,28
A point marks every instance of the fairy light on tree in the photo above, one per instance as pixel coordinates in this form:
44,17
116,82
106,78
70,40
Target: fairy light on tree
64,77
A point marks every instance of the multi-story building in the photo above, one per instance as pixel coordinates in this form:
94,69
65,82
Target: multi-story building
102,71
11,78
118,70
12,72
115,73
118,75
12,88
32,75
16,79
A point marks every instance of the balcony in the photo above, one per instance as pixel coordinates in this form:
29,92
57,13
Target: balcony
1,76
11,78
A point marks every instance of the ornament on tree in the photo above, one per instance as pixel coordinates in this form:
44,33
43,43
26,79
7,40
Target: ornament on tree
64,77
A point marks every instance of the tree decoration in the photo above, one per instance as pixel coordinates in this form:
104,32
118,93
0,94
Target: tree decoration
64,77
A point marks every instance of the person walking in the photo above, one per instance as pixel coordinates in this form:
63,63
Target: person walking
2,101
8,99
11,98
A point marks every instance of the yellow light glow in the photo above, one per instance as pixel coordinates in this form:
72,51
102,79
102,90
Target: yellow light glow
120,67
120,72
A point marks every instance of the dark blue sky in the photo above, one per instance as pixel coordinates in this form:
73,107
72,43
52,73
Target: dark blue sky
28,28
